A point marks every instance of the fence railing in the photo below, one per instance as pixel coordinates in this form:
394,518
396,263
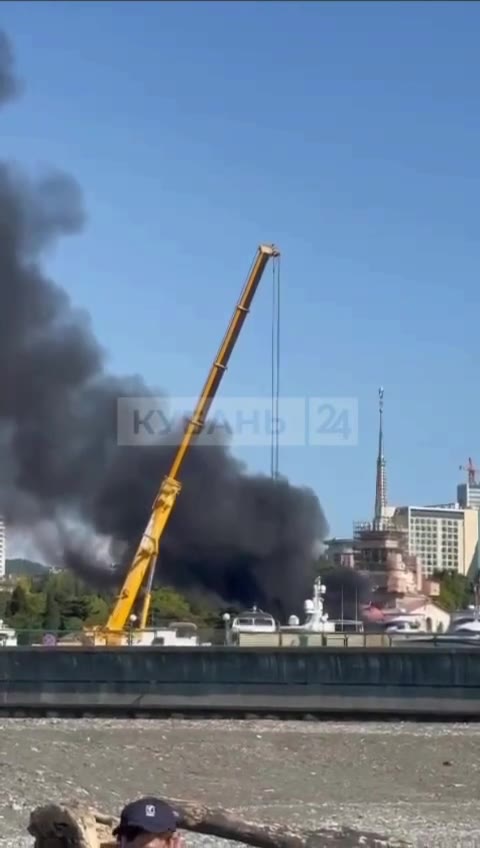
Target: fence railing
36,637
210,635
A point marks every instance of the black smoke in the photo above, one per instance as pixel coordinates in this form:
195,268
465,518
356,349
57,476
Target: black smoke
63,477
9,84
347,592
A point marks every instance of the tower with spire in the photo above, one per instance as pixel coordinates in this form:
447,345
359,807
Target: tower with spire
381,479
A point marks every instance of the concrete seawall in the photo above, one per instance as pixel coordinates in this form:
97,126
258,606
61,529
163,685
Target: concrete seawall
417,681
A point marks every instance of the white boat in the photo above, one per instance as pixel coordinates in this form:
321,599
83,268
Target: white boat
178,634
464,630
8,636
403,624
256,622
252,621
316,619
468,628
467,624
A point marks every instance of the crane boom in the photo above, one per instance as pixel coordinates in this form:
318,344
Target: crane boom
471,471
147,551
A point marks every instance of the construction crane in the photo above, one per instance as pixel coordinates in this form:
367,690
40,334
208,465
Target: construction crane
144,561
471,471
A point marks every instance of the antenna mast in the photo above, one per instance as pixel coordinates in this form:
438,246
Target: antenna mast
381,479
471,472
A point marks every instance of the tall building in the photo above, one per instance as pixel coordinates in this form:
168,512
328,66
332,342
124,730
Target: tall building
341,552
3,546
427,539
380,546
441,538
383,555
468,494
382,513
403,547
379,515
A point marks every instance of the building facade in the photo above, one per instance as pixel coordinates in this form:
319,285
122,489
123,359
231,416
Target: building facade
441,538
382,554
421,612
468,495
340,553
3,548
403,548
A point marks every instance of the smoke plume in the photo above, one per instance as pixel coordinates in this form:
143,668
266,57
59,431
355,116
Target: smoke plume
9,84
63,477
347,592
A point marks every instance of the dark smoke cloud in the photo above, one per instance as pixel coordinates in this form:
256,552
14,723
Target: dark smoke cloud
63,477
9,84
347,591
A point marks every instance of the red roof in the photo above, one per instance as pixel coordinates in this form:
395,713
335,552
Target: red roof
372,613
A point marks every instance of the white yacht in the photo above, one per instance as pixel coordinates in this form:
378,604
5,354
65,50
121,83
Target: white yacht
466,622
256,622
316,619
8,636
252,621
177,634
403,624
180,634
464,630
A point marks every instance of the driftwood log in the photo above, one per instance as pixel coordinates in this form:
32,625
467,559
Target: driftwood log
73,826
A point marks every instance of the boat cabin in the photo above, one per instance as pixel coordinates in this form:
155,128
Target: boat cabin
254,621
8,636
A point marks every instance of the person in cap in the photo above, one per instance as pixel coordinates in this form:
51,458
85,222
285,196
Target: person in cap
148,823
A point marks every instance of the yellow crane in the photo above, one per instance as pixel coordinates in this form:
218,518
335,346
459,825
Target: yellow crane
144,561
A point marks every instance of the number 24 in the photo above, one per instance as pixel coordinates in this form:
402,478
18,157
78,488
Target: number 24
332,421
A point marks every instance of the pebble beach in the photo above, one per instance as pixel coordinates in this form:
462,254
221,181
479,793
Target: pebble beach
419,782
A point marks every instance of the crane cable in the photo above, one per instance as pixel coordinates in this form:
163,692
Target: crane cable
275,389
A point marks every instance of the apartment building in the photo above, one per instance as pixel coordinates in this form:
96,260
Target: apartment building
468,495
441,537
3,548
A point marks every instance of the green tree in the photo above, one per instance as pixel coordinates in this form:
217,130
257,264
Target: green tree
52,617
25,612
203,610
36,606
97,610
18,603
75,607
72,625
169,605
60,602
4,602
456,591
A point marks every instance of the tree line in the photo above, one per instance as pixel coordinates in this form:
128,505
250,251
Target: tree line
61,603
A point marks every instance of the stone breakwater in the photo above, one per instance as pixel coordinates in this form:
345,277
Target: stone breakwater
417,782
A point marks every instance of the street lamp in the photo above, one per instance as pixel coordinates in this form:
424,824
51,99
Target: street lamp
132,620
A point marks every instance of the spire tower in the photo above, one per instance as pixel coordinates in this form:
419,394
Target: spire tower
381,480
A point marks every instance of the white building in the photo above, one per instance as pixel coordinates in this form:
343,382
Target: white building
3,548
420,611
442,538
468,495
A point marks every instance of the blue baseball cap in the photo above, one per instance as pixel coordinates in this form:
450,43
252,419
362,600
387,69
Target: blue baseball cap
149,815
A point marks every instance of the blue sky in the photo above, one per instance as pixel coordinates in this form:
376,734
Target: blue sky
348,133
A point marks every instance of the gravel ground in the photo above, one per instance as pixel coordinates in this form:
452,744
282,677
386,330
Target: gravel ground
419,782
